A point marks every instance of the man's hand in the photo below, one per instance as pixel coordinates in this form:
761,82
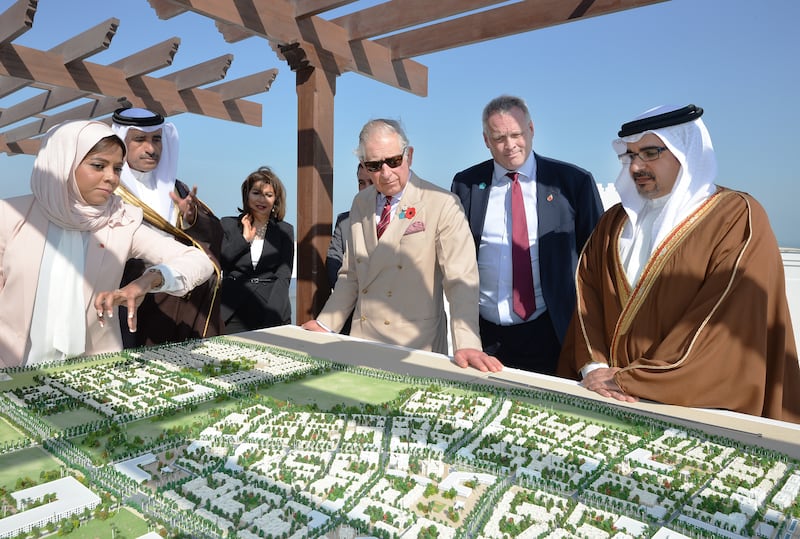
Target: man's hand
312,325
470,357
131,296
187,206
602,382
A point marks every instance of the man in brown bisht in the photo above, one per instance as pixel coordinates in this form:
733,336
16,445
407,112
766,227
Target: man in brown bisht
681,292
148,180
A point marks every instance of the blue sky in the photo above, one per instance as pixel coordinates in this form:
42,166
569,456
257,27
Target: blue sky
735,58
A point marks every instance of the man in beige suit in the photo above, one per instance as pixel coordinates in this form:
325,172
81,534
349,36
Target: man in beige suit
409,242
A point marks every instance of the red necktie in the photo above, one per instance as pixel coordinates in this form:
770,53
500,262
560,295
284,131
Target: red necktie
522,272
386,215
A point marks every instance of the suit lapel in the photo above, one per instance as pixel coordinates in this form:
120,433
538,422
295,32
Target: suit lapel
411,198
547,212
480,200
385,252
365,210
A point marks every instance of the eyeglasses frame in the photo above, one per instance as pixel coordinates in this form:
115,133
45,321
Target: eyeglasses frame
632,155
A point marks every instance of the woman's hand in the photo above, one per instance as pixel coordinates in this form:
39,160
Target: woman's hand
130,295
248,228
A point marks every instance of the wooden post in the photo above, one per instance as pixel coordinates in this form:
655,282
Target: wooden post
315,96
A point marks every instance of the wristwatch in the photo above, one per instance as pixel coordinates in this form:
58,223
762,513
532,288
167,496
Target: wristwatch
158,284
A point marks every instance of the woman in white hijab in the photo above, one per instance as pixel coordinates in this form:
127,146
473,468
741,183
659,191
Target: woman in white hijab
63,249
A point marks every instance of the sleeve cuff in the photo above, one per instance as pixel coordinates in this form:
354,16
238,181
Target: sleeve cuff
173,281
589,367
323,326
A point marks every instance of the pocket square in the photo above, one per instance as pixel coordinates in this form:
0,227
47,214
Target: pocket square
413,228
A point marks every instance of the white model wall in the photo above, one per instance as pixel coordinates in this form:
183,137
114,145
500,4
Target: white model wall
791,265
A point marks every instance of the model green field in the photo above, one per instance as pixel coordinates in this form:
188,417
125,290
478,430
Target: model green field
121,525
73,418
31,463
9,433
336,387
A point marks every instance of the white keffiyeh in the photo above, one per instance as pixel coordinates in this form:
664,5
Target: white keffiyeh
153,188
690,143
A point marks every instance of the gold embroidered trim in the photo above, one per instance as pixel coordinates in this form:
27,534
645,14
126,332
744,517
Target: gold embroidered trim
656,265
578,296
623,286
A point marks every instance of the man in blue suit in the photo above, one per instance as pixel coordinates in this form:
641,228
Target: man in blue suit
527,284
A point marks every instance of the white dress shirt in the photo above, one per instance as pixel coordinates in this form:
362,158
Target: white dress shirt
380,200
494,252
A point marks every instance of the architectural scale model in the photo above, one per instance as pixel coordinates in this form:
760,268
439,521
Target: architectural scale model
222,438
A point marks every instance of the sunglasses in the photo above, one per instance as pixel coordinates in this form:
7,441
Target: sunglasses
393,162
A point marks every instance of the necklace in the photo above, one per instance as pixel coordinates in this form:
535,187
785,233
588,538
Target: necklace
261,231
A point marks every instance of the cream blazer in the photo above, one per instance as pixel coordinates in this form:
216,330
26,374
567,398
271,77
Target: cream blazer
396,284
23,229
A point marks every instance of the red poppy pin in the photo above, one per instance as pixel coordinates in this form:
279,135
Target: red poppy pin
408,213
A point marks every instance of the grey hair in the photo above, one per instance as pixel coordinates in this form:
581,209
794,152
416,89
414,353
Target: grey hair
503,104
380,125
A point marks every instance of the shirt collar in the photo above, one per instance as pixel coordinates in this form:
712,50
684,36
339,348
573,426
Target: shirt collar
395,198
527,170
145,178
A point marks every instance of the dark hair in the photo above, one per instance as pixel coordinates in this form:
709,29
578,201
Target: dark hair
107,143
265,175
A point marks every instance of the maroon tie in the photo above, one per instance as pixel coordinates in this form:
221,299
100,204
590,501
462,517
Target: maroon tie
522,283
386,215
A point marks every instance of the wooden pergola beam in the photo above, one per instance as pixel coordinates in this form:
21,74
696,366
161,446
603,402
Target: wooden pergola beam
226,103
200,74
220,101
150,59
165,9
46,100
160,95
324,43
63,75
397,15
50,68
82,46
28,146
145,61
307,8
209,103
499,22
232,33
245,86
91,109
17,20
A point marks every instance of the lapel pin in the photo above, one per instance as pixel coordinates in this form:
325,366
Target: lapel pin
482,185
550,198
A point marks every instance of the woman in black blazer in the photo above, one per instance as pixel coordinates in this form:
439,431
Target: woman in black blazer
257,257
